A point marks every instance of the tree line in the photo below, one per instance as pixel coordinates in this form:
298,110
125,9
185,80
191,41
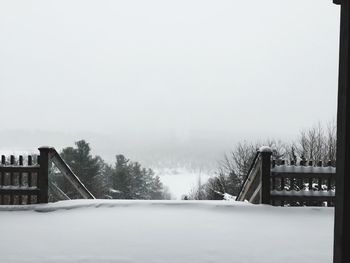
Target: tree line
125,179
317,143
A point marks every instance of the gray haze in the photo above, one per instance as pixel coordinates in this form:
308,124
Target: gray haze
164,78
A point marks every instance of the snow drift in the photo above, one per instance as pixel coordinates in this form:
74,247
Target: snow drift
165,231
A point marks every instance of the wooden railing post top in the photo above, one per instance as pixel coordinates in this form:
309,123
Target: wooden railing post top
265,149
45,148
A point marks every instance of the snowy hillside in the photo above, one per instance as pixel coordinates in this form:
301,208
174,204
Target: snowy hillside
165,231
181,181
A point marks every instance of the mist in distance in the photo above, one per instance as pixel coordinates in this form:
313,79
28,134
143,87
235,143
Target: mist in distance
164,80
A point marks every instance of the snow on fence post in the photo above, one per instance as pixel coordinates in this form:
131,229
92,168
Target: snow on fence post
43,179
265,153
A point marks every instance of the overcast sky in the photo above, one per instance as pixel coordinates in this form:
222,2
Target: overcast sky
147,71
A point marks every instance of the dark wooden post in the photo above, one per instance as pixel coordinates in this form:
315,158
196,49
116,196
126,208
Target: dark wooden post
20,179
12,162
342,205
266,176
43,178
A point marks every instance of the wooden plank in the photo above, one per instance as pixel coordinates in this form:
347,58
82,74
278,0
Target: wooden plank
302,198
2,178
20,169
253,198
319,181
19,191
303,169
303,175
310,182
273,183
265,177
342,207
292,183
54,188
69,175
302,193
20,163
43,179
30,163
12,162
20,178
248,180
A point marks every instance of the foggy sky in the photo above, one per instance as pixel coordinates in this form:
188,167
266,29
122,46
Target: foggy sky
150,72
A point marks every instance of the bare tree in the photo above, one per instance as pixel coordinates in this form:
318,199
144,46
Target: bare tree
235,166
331,140
198,191
317,143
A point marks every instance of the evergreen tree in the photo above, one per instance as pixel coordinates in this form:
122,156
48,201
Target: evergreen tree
124,180
131,181
88,168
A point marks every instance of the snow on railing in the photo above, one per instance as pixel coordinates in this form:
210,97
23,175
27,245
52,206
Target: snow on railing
303,184
26,180
19,180
273,182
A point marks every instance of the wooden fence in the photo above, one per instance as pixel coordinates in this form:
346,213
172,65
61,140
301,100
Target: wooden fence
276,183
26,180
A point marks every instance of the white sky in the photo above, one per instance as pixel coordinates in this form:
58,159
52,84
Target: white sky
149,70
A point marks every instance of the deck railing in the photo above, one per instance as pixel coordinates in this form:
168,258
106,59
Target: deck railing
276,183
254,188
26,180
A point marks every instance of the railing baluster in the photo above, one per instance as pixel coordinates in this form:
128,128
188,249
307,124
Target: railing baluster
300,183
20,178
310,184
273,183
2,182
30,162
329,184
319,184
12,162
38,159
292,182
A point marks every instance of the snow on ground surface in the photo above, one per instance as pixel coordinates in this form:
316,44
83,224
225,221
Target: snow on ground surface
165,232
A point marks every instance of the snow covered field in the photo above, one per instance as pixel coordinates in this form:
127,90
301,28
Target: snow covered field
181,181
165,231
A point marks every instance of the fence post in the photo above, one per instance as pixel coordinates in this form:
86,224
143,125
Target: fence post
43,178
265,153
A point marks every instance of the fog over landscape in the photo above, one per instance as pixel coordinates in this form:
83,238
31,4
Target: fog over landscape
170,84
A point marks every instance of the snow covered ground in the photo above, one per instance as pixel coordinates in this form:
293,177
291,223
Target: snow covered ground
181,181
165,232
